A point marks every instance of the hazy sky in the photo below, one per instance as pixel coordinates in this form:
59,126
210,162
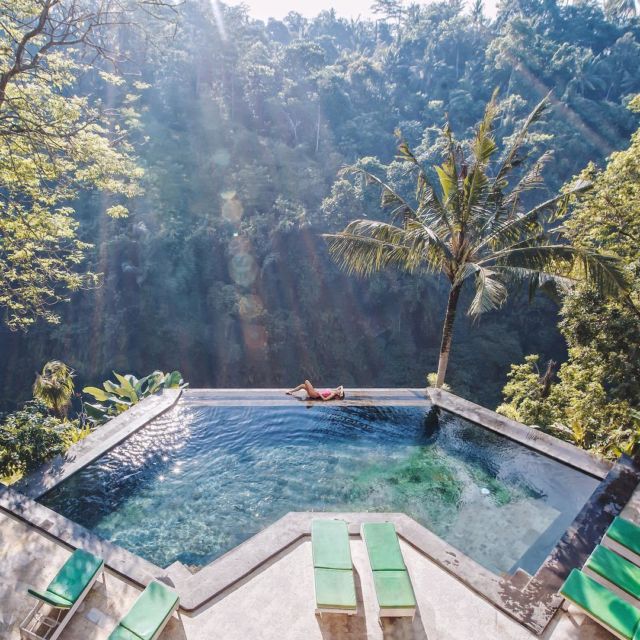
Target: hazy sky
349,8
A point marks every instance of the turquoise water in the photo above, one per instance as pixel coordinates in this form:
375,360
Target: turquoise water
202,479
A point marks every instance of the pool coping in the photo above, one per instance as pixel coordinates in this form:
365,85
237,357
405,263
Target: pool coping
531,600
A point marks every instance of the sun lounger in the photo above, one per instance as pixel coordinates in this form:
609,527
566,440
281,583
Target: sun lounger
63,596
332,567
149,614
390,576
614,572
602,605
623,537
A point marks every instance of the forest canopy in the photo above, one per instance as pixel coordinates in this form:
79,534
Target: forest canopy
57,140
222,140
594,401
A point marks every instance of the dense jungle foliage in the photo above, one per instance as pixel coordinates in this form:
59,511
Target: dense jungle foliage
595,399
226,138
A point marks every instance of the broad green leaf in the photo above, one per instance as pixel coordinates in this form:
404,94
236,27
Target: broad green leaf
95,410
127,387
98,394
175,379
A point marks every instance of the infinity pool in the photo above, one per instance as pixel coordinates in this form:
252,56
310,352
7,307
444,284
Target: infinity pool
200,480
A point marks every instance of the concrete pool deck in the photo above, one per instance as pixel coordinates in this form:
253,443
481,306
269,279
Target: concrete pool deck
276,602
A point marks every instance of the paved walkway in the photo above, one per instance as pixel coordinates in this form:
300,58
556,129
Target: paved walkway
275,603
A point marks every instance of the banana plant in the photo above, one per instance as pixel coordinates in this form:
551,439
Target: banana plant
127,390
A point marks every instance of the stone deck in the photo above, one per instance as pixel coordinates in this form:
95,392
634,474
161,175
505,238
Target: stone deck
276,602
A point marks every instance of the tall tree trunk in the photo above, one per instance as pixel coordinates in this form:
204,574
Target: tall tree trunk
447,333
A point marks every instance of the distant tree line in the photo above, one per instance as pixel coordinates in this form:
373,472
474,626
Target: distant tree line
232,132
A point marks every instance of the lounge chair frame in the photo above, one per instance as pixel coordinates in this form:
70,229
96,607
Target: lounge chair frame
36,619
390,612
349,612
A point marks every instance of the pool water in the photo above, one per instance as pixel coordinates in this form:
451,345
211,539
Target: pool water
200,480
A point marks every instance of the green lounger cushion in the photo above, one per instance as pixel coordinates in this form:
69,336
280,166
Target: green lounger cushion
335,588
394,590
51,599
390,575
602,604
616,569
149,612
74,577
383,547
625,533
120,633
330,544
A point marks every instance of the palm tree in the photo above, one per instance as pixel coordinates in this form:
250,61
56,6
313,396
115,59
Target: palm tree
473,226
54,387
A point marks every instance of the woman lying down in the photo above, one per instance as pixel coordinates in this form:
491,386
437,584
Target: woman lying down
314,394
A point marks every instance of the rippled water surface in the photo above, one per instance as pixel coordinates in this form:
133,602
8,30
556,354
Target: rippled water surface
202,479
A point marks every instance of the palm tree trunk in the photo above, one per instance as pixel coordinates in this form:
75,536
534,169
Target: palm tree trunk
447,333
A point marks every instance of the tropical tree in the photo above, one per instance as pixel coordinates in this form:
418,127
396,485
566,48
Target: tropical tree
471,226
595,398
54,387
56,144
390,9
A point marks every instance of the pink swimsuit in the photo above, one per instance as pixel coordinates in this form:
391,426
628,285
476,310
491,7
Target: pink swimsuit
325,393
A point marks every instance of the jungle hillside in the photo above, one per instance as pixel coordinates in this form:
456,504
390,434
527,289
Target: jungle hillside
169,183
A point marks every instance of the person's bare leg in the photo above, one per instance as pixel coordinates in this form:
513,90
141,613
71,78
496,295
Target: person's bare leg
311,392
300,386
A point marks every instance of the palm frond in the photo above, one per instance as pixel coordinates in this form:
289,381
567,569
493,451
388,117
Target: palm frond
508,231
490,291
448,178
512,157
484,145
389,197
532,179
476,186
448,175
422,238
363,256
367,246
602,271
426,193
551,284
474,194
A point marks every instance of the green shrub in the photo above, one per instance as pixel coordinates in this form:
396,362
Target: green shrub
30,436
54,387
